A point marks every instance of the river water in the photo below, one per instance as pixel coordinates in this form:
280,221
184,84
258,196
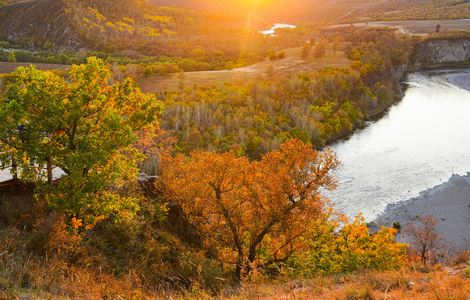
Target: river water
272,31
419,144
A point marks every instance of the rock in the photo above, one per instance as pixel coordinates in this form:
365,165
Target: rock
373,227
442,51
147,183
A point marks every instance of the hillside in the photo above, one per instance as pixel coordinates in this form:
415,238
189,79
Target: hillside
128,26
166,149
38,23
335,10
152,27
72,25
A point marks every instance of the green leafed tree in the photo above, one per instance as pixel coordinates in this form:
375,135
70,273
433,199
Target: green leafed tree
11,57
80,125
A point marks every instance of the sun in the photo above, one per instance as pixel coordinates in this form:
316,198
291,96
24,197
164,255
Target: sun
255,2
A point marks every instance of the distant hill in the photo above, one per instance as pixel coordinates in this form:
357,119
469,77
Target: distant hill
96,24
174,27
333,11
39,23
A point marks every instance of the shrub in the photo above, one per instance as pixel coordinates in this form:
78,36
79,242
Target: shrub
348,247
466,272
364,293
272,56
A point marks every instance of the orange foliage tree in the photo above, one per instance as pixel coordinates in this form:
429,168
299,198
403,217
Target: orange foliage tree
251,213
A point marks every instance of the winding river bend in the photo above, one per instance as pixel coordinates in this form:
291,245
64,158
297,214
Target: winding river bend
419,144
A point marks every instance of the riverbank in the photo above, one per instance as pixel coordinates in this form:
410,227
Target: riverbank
448,203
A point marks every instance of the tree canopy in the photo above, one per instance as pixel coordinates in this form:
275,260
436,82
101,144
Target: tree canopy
251,212
80,125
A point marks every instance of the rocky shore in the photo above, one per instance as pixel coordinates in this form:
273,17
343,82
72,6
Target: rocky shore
448,203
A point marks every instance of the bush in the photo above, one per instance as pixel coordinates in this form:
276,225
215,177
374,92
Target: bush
364,293
466,272
272,56
348,247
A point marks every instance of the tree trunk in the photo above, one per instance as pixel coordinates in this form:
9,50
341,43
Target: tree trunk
238,270
424,255
14,168
49,172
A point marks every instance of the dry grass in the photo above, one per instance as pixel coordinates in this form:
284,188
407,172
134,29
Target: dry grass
446,284
24,277
54,273
292,63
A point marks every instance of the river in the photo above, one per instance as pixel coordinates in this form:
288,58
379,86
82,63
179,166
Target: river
272,31
419,144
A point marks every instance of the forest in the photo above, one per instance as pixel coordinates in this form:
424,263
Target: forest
201,191
265,213
190,39
230,191
317,108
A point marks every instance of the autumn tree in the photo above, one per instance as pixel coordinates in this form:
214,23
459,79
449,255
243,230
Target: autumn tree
11,57
424,238
251,213
80,126
320,50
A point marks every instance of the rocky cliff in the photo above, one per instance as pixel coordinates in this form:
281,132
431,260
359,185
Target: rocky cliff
442,52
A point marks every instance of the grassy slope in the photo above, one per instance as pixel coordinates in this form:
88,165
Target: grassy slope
74,283
452,283
292,63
